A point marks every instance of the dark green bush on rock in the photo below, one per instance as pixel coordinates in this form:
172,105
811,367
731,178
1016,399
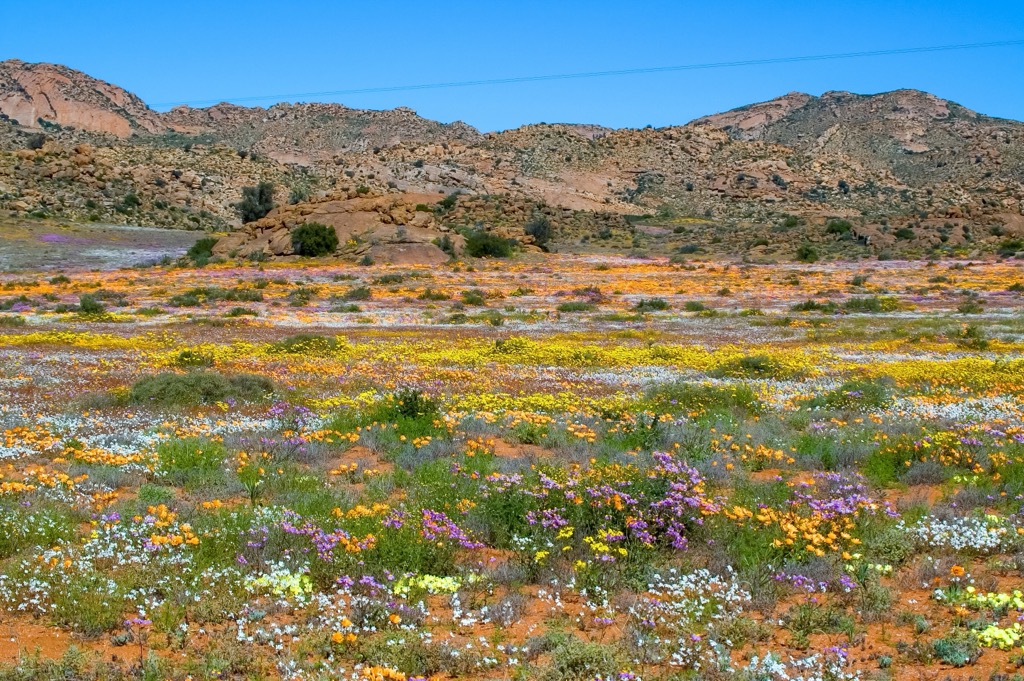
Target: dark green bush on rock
312,239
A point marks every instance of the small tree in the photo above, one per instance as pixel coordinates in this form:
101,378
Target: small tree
256,202
540,229
313,239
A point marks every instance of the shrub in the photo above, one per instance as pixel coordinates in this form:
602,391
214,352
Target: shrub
358,293
35,141
312,239
540,229
481,244
827,307
576,306
839,227
448,202
872,304
806,253
1011,247
199,387
89,304
473,297
431,294
958,648
574,660
652,305
904,233
202,250
256,202
695,306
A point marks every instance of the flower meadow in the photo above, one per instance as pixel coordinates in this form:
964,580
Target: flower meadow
583,468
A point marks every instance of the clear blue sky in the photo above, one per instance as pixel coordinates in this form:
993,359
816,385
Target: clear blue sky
185,51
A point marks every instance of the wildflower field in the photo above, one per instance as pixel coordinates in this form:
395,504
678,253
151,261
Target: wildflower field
572,468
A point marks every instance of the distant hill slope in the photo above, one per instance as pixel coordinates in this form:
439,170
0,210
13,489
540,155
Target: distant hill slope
902,171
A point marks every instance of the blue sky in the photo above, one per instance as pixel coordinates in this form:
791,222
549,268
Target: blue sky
187,51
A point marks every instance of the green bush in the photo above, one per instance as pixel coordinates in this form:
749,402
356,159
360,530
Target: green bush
90,304
540,229
481,244
358,293
651,305
576,306
806,253
202,250
872,304
199,387
256,202
958,648
827,307
312,239
839,227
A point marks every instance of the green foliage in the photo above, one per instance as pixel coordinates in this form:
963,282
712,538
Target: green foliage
198,387
574,660
448,202
202,250
806,253
89,304
958,648
540,229
576,306
358,293
856,394
313,239
651,305
256,202
827,307
839,227
190,462
754,366
481,244
681,397
872,304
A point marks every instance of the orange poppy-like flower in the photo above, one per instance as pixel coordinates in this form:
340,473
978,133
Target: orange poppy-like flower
957,571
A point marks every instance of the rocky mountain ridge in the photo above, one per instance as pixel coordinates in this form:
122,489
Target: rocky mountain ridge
903,170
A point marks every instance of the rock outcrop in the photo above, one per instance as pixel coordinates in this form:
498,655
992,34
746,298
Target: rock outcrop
37,95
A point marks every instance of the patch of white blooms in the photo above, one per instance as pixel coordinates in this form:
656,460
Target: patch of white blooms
988,534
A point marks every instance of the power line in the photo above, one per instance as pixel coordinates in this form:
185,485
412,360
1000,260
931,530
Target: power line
604,74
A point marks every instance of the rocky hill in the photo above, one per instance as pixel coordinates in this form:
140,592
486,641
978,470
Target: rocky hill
902,171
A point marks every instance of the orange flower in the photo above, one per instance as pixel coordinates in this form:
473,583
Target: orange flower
395,619
957,571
